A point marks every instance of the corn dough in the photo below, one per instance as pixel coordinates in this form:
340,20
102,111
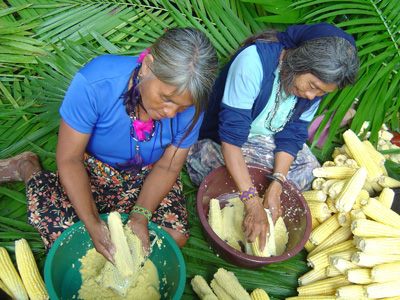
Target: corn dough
146,286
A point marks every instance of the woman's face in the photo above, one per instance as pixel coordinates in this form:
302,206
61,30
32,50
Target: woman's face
309,86
158,98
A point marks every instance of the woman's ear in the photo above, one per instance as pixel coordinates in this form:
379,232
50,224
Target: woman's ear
147,62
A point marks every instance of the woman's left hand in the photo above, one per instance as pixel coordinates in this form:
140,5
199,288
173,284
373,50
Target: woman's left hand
272,199
138,223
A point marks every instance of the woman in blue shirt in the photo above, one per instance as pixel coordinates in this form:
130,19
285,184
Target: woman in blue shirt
127,125
260,108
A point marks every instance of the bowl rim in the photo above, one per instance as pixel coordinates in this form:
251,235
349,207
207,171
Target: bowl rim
256,260
151,226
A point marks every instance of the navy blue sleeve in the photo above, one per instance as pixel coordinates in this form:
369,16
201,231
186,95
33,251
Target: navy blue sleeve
292,138
234,125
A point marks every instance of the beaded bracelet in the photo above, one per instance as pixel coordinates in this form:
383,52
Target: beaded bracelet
142,211
280,176
247,195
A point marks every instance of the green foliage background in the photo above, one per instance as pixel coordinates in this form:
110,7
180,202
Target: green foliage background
43,43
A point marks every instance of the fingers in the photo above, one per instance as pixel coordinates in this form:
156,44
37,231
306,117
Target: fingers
263,237
142,232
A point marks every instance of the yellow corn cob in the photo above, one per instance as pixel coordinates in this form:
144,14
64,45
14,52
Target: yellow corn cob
385,272
353,291
228,281
344,219
317,297
9,276
309,246
340,235
368,187
29,271
319,234
322,219
368,228
331,205
385,289
328,163
346,255
347,197
314,222
359,275
319,209
369,260
334,172
358,151
327,184
373,153
270,246
386,197
343,265
219,291
215,218
321,260
122,257
317,183
376,186
201,288
312,276
351,163
391,298
378,212
337,151
388,182
323,287
5,289
332,271
356,214
340,159
379,245
361,196
336,188
314,195
259,294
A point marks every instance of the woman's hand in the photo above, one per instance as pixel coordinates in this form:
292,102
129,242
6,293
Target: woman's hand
272,199
255,222
101,240
138,223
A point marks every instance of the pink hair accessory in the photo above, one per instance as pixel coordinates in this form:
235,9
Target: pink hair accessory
143,55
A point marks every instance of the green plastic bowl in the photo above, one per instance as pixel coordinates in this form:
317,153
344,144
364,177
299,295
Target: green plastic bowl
62,265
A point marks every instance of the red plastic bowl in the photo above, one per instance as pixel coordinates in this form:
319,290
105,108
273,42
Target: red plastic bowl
296,214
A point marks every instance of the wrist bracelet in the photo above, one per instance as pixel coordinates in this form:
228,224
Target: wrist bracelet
280,176
142,211
247,195
275,178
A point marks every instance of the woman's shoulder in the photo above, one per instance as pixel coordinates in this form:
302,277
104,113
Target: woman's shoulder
108,66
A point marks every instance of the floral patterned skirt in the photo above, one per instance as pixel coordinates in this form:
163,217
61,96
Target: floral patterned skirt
206,155
50,211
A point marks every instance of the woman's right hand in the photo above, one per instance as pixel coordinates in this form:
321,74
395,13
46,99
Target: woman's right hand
102,240
255,222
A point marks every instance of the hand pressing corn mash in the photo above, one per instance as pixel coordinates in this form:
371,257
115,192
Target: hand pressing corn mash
227,224
132,277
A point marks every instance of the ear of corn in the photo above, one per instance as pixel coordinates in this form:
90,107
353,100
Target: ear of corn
312,276
374,154
379,245
219,291
358,151
317,183
368,187
319,210
353,291
351,163
344,219
356,214
321,260
386,197
351,190
359,275
201,288
323,287
334,172
228,281
340,235
327,184
388,182
378,212
369,260
332,271
328,163
386,289
270,247
385,272
319,234
5,289
29,271
336,188
317,297
342,264
314,195
346,255
368,228
9,276
331,205
215,218
363,195
340,160
314,222
259,294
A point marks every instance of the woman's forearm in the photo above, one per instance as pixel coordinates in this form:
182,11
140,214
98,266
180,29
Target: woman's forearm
282,162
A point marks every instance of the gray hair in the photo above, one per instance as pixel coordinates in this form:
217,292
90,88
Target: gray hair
186,59
330,59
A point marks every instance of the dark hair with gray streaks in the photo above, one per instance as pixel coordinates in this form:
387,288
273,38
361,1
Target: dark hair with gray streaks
330,59
186,59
